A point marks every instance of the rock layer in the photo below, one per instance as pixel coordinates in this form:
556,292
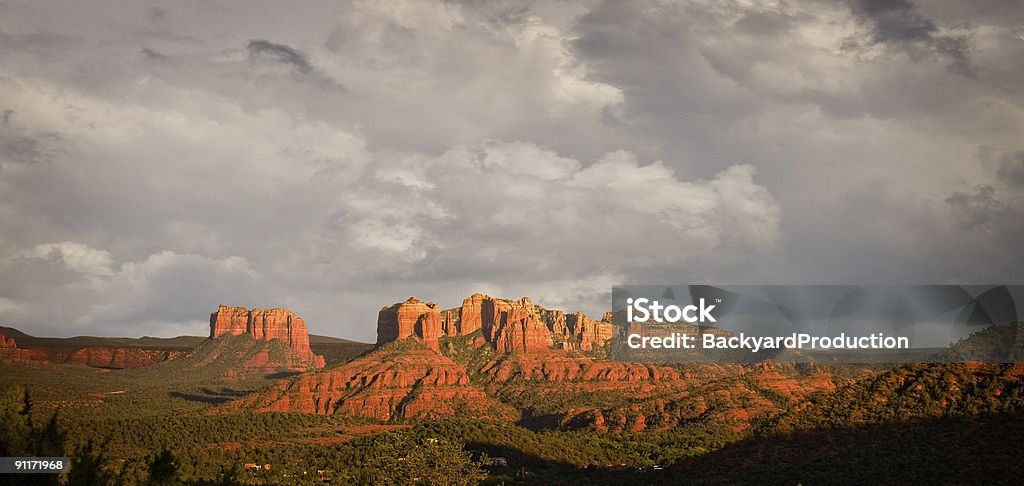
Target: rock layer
264,325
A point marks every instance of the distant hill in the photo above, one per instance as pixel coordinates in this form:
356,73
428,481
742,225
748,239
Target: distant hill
317,339
183,343
334,350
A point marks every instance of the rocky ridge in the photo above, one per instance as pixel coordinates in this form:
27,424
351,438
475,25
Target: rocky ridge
510,326
127,357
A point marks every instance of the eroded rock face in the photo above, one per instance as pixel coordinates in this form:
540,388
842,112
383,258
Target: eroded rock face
450,321
518,331
388,384
588,332
510,326
229,320
11,353
264,325
471,315
410,318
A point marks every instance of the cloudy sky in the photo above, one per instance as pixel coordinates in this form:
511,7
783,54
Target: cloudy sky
160,158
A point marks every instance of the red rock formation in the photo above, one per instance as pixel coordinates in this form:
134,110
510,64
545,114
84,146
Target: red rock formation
389,384
10,353
229,320
556,322
587,332
97,356
265,325
405,380
410,318
471,314
500,328
520,332
450,322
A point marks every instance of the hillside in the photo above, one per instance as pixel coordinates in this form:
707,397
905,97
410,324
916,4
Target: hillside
397,381
953,423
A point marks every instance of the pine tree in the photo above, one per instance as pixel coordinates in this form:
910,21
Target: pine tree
163,469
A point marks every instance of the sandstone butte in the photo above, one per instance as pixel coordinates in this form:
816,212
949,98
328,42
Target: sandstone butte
97,356
510,326
265,325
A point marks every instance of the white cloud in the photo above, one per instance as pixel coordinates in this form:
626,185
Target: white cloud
76,257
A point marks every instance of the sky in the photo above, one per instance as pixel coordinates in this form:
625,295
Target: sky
160,158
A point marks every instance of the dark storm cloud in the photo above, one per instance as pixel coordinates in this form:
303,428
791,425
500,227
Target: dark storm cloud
976,209
992,212
899,24
266,51
990,222
153,54
262,49
20,146
157,14
1011,169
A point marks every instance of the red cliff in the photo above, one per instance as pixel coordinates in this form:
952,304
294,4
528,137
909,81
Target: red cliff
471,315
522,326
588,333
510,326
410,318
518,331
264,325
